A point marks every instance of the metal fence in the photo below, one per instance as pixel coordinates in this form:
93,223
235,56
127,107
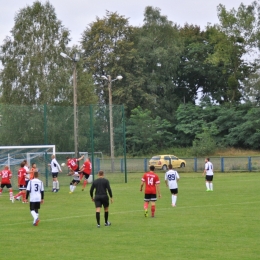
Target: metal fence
137,166
221,164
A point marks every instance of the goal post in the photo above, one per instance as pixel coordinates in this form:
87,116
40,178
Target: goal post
13,156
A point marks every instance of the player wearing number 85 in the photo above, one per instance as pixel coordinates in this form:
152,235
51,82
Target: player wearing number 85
171,180
152,188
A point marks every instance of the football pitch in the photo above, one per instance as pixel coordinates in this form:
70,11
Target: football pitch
223,224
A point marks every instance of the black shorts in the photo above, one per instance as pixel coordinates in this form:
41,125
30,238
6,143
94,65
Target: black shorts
22,187
174,191
86,175
8,186
150,197
101,200
35,205
209,178
54,174
75,181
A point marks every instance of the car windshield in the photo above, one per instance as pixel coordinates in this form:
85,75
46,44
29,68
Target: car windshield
174,158
155,158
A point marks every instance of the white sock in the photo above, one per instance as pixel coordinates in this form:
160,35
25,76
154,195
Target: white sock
34,215
174,199
71,188
207,185
57,185
211,186
54,184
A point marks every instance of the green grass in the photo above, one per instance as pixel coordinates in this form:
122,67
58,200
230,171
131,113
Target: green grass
223,224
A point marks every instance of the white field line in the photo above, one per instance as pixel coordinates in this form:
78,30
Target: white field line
132,211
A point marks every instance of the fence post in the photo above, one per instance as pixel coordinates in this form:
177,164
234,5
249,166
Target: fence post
122,165
91,125
46,169
249,164
98,164
145,164
222,164
195,164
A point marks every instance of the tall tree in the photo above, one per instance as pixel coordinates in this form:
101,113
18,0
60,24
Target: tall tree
234,37
31,59
160,46
109,49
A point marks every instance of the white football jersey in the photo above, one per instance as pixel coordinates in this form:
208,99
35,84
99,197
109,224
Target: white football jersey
35,186
172,176
55,167
209,168
76,176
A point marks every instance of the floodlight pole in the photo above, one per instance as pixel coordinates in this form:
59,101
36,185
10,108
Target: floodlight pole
111,127
75,103
75,59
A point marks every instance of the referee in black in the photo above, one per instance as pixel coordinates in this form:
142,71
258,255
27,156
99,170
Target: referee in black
102,187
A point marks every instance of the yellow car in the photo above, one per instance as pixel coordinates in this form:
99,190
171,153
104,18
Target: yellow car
161,162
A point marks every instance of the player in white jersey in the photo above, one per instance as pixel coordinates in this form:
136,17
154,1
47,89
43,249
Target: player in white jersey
35,189
208,171
55,169
171,180
75,181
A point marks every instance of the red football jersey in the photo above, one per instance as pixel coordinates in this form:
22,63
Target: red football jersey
6,176
87,167
21,176
150,179
72,164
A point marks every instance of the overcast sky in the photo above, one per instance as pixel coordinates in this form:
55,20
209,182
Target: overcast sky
77,14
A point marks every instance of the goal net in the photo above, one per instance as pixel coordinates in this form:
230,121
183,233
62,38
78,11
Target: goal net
14,155
41,155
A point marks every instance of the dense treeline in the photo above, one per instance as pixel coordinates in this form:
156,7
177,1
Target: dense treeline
181,86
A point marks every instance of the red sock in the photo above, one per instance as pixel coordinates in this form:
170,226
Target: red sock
153,210
24,196
85,184
19,194
146,205
81,176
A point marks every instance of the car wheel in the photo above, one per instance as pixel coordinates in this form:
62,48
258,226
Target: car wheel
182,165
164,167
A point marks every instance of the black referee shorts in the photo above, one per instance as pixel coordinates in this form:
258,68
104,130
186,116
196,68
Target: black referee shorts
101,200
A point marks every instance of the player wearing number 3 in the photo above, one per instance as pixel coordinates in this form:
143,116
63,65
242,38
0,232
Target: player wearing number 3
36,191
152,188
171,180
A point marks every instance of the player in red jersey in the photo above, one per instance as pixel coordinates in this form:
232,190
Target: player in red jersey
6,176
72,163
85,170
152,188
22,182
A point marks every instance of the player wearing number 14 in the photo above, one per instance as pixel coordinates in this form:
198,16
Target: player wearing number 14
152,187
171,180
